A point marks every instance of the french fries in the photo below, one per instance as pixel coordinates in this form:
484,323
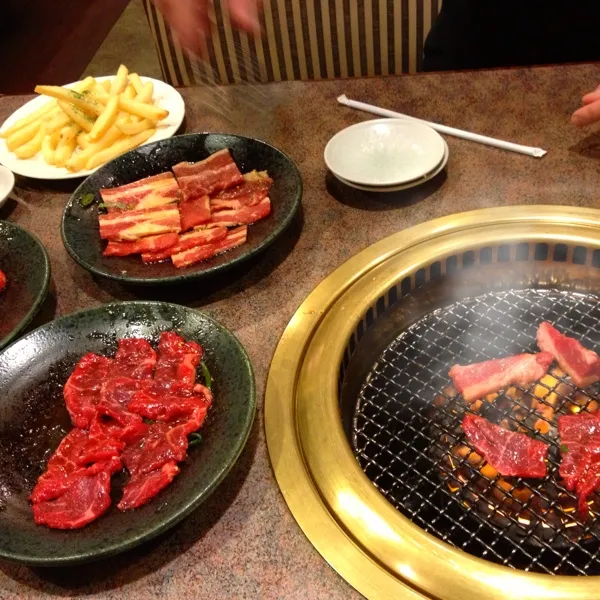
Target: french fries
66,144
77,115
84,101
50,108
106,119
49,147
140,109
33,146
118,148
78,161
89,124
135,127
58,122
83,140
119,83
146,93
130,92
29,120
136,82
22,136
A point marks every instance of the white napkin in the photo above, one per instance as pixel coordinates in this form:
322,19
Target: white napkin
466,135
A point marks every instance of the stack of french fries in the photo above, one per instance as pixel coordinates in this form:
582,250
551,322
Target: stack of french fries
88,125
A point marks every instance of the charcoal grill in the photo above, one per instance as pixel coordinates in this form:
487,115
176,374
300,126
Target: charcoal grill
363,425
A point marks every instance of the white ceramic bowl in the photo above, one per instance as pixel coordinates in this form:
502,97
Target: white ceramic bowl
7,183
384,152
403,186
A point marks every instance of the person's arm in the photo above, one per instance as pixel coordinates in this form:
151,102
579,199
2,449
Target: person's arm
189,18
590,111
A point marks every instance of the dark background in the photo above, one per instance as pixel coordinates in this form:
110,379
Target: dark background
51,41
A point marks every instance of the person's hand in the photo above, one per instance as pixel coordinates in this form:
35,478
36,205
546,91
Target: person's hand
189,18
590,111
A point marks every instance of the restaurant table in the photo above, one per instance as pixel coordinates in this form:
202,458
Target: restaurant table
243,542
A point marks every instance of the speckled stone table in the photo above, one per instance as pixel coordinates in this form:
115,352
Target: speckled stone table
243,543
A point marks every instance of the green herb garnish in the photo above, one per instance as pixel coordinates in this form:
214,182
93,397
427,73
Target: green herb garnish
194,439
148,421
87,199
207,377
564,449
113,205
82,114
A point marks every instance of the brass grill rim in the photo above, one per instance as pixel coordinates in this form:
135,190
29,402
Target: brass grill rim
363,537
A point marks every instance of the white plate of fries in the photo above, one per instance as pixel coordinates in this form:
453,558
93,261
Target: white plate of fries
71,131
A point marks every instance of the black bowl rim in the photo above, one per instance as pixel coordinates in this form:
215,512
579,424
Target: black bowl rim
175,279
196,501
41,296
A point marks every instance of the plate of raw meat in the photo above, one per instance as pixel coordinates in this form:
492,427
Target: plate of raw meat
24,279
181,209
116,423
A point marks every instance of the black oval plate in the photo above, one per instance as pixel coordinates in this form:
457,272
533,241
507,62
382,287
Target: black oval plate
80,231
25,262
33,419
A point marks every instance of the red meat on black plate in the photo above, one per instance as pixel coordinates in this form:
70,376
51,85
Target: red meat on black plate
142,487
85,386
135,358
75,489
253,190
177,362
198,180
77,453
110,401
86,498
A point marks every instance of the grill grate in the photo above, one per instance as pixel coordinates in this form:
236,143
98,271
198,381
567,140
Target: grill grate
408,439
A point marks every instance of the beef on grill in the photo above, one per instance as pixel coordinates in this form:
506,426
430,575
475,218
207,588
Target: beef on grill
580,444
509,452
581,364
479,379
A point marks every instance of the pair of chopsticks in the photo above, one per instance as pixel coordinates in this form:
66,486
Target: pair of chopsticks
465,135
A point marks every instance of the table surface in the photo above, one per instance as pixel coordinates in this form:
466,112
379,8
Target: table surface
243,542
